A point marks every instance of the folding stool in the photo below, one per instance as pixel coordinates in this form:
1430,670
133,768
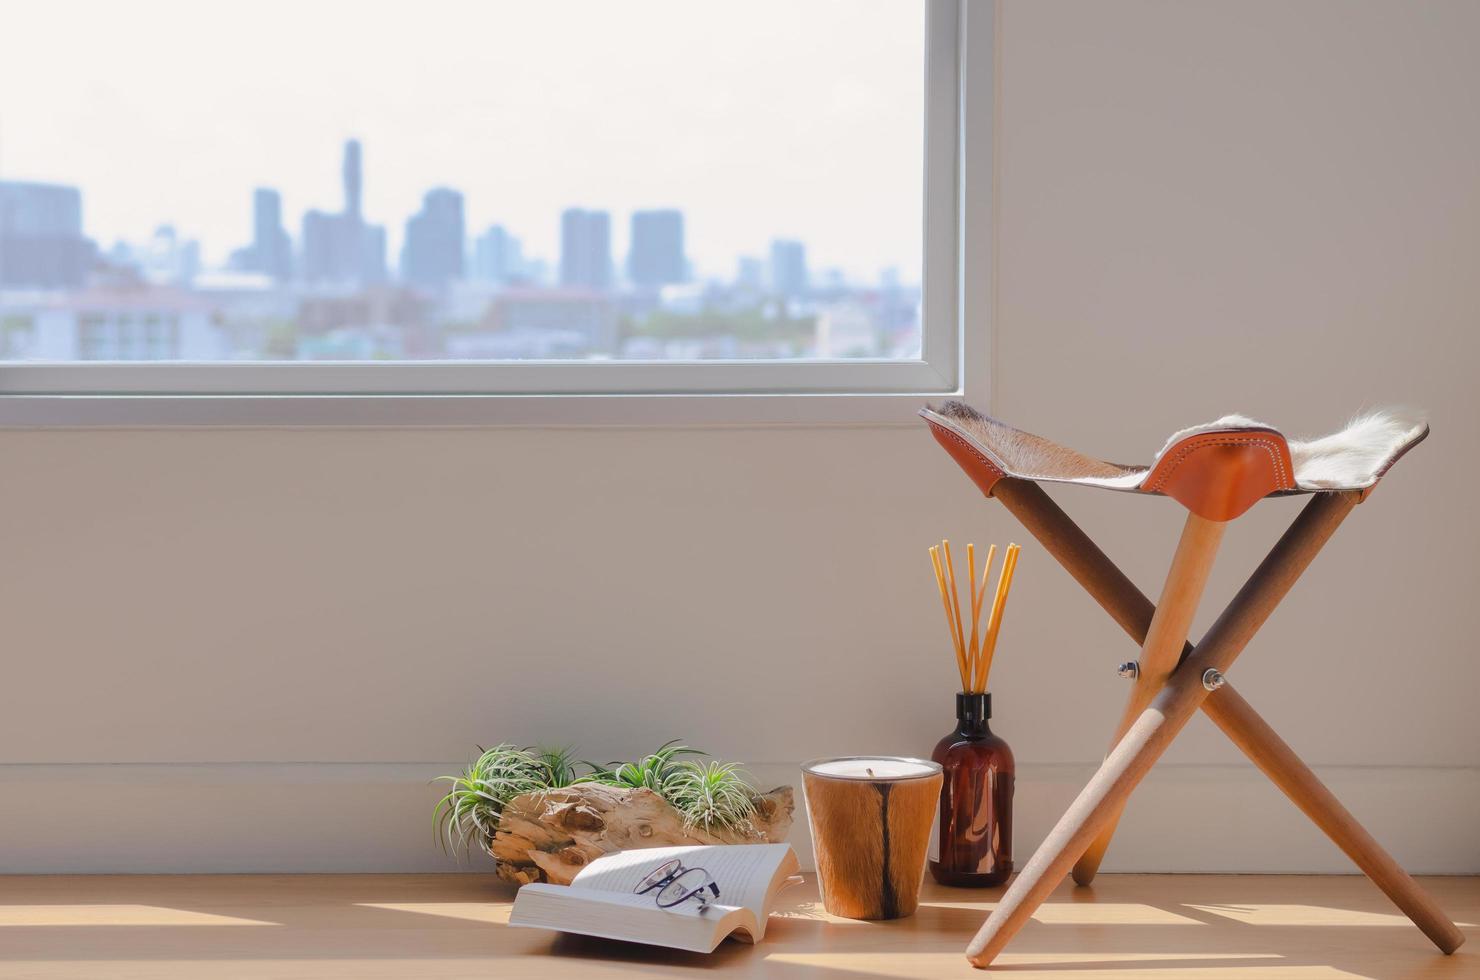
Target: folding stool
1217,471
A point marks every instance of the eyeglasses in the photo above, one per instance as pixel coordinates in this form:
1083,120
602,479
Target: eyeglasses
676,884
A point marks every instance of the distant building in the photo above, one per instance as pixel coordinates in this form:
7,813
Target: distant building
432,255
582,321
846,329
165,259
517,344
365,312
656,256
353,177
464,302
498,257
585,249
144,323
271,253
750,273
245,295
377,322
341,249
832,281
788,267
41,240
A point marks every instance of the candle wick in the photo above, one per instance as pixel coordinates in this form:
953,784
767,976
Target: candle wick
868,770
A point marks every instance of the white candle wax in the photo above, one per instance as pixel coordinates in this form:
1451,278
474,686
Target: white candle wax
873,768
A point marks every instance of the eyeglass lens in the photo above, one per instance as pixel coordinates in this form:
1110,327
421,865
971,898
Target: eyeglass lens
658,876
684,887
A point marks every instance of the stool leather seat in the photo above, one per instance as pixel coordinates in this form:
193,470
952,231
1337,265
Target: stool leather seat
1217,470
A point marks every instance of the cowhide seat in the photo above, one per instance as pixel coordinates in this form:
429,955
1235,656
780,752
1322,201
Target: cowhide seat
1217,471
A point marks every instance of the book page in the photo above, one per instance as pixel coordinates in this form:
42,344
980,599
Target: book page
742,871
635,918
641,903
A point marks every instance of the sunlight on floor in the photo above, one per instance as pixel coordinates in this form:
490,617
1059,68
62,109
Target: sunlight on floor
115,915
441,927
1091,966
1260,914
496,913
1057,913
1087,913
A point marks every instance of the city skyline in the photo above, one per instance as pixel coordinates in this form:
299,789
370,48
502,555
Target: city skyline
342,246
273,246
335,297
820,143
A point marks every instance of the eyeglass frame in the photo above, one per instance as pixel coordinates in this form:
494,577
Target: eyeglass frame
666,874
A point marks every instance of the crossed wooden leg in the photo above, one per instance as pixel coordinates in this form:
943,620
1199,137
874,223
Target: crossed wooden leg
1161,650
1093,814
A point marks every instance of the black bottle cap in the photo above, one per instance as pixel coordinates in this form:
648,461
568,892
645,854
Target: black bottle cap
973,707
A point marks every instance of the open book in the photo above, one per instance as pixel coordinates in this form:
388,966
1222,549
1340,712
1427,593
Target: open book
600,900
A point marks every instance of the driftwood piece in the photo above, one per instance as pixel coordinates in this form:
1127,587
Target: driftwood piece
551,835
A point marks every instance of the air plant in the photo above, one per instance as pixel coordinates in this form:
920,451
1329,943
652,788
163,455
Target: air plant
650,772
709,795
471,809
560,767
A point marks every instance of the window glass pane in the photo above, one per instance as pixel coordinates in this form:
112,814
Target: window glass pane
461,179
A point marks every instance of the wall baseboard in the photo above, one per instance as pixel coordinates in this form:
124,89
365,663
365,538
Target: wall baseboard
376,817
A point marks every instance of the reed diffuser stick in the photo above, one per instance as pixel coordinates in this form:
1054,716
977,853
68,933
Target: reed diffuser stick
978,680
940,582
971,645
974,652
952,611
999,605
955,602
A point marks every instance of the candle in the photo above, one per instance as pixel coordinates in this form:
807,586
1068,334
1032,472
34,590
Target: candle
872,767
871,818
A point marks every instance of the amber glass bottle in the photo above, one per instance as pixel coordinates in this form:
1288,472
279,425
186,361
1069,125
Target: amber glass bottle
972,846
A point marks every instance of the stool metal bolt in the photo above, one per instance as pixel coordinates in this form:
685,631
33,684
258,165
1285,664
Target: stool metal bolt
1212,678
1130,669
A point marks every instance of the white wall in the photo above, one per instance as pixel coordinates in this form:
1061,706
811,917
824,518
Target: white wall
249,649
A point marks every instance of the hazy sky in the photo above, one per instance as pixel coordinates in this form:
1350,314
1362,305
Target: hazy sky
759,118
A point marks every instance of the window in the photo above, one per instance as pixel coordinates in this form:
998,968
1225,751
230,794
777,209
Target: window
667,197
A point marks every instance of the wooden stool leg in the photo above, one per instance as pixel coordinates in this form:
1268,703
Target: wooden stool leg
1153,732
1162,648
1129,607
1243,725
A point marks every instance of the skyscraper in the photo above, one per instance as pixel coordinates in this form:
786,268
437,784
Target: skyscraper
322,258
353,182
750,272
338,250
432,254
41,240
656,256
585,248
341,248
788,267
498,256
271,251
168,258
372,254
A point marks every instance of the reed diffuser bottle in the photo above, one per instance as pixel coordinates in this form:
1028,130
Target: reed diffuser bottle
972,843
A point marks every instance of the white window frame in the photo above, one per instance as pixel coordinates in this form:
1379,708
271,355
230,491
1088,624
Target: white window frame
956,304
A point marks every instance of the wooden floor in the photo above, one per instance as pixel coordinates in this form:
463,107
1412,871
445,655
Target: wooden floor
1185,927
